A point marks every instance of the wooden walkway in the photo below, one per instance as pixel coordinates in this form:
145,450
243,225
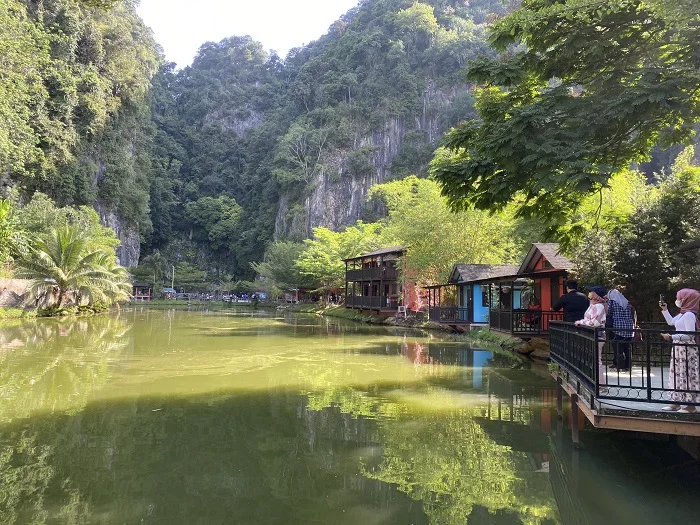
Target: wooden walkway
626,413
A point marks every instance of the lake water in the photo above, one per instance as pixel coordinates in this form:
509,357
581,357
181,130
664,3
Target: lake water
175,417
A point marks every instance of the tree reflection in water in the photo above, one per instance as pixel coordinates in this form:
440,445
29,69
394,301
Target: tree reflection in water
369,430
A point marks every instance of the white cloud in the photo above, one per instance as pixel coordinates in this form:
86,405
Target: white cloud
181,26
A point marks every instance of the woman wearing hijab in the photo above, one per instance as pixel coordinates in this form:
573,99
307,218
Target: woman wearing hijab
595,318
684,371
620,318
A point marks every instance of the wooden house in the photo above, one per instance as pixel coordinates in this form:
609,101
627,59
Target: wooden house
373,280
141,292
465,298
521,304
509,299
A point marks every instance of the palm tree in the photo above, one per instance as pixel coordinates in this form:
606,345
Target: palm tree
62,262
158,265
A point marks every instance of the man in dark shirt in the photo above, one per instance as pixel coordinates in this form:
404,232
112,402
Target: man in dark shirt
574,303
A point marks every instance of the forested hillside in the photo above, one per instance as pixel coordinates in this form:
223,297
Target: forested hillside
250,147
210,163
74,115
205,167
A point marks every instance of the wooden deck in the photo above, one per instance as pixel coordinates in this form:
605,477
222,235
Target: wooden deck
627,413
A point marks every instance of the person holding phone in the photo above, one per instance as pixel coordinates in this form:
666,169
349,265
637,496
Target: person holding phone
684,370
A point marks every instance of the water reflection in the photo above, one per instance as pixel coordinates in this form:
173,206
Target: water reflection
56,364
160,417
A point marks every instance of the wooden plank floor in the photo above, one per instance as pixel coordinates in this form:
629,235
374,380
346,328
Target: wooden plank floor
628,414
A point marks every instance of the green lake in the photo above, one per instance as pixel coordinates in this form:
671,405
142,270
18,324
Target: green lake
223,417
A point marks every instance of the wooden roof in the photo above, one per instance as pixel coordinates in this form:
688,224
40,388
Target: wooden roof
549,251
383,251
462,273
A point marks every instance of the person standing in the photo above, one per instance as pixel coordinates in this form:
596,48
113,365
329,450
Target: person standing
594,317
573,302
684,370
620,318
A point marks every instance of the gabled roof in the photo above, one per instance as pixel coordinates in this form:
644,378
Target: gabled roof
466,273
549,251
383,251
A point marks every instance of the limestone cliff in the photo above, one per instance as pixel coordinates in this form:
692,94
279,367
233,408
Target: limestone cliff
338,197
129,250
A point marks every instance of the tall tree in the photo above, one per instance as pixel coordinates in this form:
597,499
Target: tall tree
592,87
437,238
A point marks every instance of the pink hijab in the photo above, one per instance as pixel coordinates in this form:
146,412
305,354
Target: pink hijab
690,302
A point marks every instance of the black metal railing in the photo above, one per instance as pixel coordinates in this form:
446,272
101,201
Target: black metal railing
371,303
450,315
500,319
534,321
372,274
645,368
523,321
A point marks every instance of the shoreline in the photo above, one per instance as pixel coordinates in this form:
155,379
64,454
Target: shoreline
481,337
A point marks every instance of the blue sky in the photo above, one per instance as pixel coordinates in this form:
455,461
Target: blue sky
181,26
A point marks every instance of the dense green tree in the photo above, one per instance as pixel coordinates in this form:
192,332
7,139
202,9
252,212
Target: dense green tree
279,269
40,217
190,278
639,252
216,221
592,87
322,259
240,122
64,262
437,239
25,51
11,236
74,119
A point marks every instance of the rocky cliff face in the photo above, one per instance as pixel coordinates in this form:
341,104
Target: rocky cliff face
338,197
130,249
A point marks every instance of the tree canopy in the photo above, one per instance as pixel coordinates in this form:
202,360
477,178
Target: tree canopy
583,89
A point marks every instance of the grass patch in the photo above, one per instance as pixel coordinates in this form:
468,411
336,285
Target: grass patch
16,313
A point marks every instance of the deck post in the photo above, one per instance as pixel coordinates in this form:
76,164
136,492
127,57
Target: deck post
381,282
647,346
560,398
574,419
512,307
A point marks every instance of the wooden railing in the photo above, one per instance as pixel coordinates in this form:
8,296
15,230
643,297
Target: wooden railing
371,303
523,322
372,274
500,320
452,315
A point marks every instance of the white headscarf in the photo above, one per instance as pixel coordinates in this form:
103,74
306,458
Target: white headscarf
616,295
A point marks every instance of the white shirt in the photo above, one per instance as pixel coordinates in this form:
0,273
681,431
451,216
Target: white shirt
683,323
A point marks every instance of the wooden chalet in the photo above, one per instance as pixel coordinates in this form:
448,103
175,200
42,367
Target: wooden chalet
522,303
465,298
141,292
372,280
508,299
